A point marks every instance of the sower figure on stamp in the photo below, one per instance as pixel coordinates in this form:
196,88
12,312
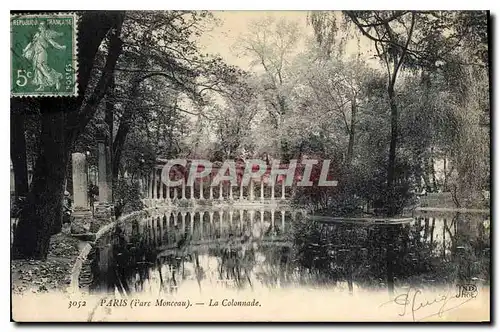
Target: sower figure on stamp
36,52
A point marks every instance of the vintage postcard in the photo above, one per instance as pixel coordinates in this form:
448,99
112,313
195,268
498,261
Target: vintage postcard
250,166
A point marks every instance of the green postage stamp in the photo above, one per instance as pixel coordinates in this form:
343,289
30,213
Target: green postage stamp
43,55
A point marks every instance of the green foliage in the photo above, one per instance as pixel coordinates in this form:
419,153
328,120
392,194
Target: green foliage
127,197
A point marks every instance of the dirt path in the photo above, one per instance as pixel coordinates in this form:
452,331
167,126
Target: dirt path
52,274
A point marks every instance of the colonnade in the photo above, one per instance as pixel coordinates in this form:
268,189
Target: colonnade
154,189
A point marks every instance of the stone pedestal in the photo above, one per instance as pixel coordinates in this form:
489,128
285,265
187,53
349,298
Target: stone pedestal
82,220
81,216
80,186
104,211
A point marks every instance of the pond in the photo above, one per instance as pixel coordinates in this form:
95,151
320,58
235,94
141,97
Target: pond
176,251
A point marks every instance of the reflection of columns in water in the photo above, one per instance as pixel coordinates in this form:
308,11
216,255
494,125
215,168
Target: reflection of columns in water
191,221
157,185
230,216
283,189
202,214
210,192
211,215
220,191
153,231
261,217
241,219
272,219
221,216
282,221
183,190
168,221
160,233
176,219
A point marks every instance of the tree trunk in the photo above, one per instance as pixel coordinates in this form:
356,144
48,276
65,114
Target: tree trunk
123,130
18,153
350,146
445,180
109,120
44,215
391,169
119,142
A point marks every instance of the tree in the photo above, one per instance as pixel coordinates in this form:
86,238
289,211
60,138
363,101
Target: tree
271,43
161,67
62,121
392,35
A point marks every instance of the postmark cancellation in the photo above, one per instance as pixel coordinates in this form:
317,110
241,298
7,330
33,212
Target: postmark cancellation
44,59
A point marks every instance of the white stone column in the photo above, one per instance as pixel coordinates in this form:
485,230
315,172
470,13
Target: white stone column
272,219
230,217
176,217
221,196
163,192
155,185
241,190
241,219
252,215
202,215
230,187
160,224
192,191
251,189
201,189
176,194
211,217
210,192
167,192
183,225
80,186
272,191
183,189
150,186
262,191
103,179
141,186
283,189
262,217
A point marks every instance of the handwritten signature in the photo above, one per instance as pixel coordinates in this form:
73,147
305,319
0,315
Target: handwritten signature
414,301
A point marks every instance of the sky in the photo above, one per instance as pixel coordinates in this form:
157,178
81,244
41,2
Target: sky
234,23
